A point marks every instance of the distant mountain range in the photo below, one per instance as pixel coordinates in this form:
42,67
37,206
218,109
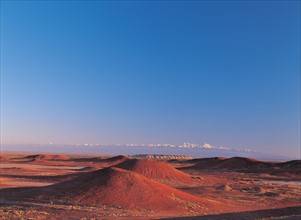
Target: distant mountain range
186,149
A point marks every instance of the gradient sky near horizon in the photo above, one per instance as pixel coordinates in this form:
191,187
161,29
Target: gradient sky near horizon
222,72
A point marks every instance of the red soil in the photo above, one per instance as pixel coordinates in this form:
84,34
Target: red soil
122,188
154,169
3,159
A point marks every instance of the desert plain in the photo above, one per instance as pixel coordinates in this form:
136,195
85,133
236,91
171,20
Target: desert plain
66,186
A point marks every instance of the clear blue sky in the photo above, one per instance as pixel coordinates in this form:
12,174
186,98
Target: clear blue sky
222,72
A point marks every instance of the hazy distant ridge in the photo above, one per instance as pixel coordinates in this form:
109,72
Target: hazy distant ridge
187,149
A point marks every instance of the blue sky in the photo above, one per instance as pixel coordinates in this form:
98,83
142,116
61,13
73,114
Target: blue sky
222,72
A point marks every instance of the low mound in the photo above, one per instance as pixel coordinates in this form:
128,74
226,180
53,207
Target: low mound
235,163
207,162
253,190
210,159
270,194
87,159
292,164
259,190
122,188
154,169
47,157
238,163
224,188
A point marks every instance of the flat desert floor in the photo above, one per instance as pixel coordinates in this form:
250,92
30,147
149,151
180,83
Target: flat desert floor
56,186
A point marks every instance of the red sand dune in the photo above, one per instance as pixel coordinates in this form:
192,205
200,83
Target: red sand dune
118,187
154,169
